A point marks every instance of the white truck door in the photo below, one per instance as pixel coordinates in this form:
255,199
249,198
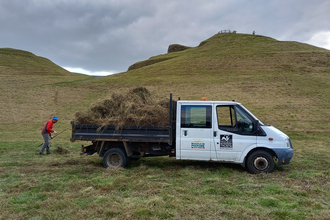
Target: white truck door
233,133
196,132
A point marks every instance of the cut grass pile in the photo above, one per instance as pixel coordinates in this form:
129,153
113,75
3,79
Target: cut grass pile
61,150
137,107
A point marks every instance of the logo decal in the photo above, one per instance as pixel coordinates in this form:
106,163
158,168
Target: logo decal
226,141
197,145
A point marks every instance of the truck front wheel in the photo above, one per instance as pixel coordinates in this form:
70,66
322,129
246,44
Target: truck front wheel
260,162
115,157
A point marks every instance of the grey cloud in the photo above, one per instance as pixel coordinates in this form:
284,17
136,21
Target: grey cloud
110,35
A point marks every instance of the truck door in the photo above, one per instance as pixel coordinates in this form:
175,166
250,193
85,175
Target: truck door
196,132
233,133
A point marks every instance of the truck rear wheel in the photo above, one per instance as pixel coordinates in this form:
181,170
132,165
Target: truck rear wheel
115,157
260,162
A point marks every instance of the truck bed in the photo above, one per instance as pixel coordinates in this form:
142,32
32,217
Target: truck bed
153,134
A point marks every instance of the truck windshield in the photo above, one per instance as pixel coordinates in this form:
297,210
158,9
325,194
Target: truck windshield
254,117
244,123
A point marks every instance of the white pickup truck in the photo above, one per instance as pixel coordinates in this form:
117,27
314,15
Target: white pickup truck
217,131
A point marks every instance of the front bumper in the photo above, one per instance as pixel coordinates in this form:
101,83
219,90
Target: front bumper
284,155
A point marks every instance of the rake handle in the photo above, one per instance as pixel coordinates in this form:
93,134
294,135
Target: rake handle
55,136
59,133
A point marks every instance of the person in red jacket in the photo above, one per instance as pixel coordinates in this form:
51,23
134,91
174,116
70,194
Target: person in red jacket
46,134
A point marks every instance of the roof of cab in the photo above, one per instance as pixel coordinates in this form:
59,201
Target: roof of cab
208,102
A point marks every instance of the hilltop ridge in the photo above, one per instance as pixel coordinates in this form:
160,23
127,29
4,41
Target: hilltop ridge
233,45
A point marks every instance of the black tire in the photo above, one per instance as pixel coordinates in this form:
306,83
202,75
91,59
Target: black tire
115,157
260,162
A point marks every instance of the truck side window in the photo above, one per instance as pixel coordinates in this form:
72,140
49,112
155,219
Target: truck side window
196,116
233,119
226,116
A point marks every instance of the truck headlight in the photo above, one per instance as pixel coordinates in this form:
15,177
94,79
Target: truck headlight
288,143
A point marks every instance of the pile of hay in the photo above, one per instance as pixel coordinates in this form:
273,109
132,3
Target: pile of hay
60,150
138,107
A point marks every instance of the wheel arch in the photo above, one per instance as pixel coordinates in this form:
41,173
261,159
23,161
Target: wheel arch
109,145
257,149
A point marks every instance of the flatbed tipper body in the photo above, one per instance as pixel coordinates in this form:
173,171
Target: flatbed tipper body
219,131
127,133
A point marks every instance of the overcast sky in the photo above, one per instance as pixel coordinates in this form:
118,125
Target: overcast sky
107,36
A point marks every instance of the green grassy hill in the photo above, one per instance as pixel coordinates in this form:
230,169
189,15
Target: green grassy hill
286,84
17,62
28,93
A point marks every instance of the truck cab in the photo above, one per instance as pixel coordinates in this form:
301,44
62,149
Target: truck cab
225,131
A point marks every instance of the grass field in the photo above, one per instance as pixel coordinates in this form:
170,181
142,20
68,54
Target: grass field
285,84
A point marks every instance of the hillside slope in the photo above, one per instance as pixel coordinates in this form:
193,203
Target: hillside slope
227,48
14,61
28,91
286,84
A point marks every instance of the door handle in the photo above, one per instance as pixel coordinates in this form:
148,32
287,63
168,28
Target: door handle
185,133
214,133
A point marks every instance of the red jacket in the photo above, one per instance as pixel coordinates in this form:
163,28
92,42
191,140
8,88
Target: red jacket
48,128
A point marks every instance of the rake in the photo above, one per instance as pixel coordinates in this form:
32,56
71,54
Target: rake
54,136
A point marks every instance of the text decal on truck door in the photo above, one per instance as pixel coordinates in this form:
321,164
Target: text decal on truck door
197,145
226,141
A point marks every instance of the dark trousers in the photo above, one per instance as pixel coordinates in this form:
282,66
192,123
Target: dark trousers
46,144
